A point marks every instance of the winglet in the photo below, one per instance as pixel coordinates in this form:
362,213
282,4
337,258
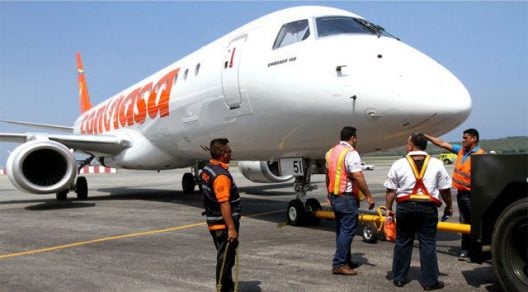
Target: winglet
84,98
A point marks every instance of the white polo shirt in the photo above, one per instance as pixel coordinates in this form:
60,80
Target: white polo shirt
352,164
401,177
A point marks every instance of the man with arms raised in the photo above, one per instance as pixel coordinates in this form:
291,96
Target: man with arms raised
462,178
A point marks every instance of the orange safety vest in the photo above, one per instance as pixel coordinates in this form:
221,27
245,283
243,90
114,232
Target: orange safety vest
419,192
336,170
462,174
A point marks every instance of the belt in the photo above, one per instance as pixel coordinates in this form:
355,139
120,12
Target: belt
342,194
432,204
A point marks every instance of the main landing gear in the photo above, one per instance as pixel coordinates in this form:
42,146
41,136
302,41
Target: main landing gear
188,183
191,179
300,211
80,186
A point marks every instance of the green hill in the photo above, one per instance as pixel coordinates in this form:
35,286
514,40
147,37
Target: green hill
517,144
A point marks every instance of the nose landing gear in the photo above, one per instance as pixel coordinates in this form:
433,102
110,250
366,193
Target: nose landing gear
300,211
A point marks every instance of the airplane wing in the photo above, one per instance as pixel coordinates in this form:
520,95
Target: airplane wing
42,126
103,144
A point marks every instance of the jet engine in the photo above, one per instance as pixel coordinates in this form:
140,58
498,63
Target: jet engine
41,167
262,171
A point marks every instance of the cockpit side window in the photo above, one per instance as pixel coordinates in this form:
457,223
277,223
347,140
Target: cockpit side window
332,25
292,32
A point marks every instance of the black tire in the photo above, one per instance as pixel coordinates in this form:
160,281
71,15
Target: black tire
81,188
369,233
447,161
62,195
509,241
188,183
296,213
311,206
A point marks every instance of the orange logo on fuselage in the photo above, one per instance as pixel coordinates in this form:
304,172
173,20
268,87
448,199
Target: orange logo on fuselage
132,108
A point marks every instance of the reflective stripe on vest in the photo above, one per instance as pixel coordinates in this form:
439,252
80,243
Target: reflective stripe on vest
335,167
462,174
213,215
419,192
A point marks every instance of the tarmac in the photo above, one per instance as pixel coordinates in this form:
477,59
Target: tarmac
138,231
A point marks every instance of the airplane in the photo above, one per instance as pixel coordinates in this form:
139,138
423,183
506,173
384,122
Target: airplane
280,88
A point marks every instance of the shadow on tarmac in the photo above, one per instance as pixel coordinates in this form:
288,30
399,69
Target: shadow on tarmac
251,205
476,279
250,286
57,205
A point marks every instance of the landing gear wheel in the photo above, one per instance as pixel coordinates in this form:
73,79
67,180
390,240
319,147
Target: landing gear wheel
81,188
188,183
510,237
62,195
296,213
311,206
369,233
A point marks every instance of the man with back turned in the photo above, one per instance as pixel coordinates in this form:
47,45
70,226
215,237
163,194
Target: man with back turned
417,182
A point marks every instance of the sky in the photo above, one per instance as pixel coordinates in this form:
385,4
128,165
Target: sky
484,43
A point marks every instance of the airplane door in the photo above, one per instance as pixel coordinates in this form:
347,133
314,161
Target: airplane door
230,84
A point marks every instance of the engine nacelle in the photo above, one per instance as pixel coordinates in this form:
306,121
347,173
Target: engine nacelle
262,171
41,167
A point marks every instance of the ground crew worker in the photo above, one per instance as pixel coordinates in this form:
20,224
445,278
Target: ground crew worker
416,182
344,177
222,210
462,179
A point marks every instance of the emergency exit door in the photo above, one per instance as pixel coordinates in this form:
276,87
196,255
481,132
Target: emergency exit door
230,72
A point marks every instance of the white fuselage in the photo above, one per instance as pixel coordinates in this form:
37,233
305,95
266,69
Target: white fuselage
286,102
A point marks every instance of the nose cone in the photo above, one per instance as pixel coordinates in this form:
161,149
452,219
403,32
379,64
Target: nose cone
426,96
455,102
440,96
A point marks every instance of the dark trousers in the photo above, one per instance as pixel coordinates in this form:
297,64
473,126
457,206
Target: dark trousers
221,244
464,208
420,219
346,213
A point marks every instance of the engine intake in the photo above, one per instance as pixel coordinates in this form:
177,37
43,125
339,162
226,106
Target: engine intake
41,167
262,171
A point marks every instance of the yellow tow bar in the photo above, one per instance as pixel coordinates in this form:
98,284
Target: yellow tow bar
378,220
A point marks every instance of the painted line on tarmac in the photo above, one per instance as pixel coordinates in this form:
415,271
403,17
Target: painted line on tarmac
117,237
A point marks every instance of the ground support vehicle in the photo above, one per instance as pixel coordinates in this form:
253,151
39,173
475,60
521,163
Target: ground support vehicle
499,225
448,158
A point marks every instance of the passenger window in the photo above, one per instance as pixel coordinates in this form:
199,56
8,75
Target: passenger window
196,69
292,32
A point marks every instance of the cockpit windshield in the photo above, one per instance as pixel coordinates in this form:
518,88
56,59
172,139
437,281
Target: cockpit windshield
332,25
291,33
